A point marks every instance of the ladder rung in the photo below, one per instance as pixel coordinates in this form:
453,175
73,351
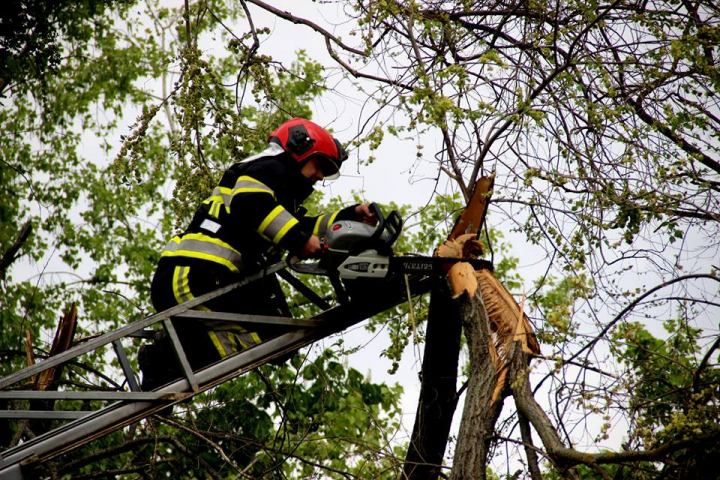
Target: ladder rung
98,395
244,318
42,414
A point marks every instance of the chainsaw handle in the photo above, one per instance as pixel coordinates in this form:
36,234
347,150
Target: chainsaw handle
295,264
380,227
392,224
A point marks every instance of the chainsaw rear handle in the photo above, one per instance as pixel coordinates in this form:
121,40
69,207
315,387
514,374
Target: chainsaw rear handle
375,208
296,265
392,224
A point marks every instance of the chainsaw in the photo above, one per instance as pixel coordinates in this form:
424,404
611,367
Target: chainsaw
357,253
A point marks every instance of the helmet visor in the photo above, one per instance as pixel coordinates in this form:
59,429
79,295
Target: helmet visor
329,168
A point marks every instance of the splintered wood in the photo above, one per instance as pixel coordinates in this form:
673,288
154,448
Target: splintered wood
461,276
464,246
506,316
461,279
63,341
508,323
472,218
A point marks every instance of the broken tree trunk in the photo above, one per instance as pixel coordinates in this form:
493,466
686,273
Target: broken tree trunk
496,331
479,412
438,390
48,379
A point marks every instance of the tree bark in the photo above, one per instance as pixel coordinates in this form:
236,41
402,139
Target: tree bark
438,390
480,412
530,453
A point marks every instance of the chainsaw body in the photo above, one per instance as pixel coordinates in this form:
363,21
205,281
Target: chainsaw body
358,254
357,250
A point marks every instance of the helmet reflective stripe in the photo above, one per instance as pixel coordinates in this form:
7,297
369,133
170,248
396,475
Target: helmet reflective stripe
276,224
197,245
323,222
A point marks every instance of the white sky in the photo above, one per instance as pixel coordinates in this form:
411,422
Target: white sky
397,176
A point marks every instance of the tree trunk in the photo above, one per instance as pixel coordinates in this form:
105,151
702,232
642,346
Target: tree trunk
438,391
481,411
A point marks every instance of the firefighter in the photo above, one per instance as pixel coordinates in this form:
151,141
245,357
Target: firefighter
251,217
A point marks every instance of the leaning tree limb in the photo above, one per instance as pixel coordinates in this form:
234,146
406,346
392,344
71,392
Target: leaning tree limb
11,254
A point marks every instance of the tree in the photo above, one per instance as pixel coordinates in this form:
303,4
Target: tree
101,223
600,121
30,49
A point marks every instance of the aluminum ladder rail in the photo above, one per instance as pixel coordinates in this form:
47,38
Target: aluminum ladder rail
134,405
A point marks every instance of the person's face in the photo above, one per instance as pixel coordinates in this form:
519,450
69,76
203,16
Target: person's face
311,169
317,168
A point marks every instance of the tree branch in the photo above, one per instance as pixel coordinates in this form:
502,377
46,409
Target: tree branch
10,255
301,21
632,305
703,364
214,445
530,450
686,146
568,457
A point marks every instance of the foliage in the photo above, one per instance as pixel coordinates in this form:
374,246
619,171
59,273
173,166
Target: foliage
600,121
46,177
675,395
101,222
32,30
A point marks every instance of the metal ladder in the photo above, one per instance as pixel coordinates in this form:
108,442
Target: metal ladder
130,405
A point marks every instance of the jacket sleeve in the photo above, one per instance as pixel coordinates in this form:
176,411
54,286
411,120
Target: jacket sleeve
319,225
254,205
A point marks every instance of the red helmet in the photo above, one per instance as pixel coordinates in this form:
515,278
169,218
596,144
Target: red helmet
302,139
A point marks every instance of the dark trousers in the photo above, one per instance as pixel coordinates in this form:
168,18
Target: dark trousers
174,284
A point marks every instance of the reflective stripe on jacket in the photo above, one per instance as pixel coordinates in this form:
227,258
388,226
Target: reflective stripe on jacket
204,247
231,338
252,212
